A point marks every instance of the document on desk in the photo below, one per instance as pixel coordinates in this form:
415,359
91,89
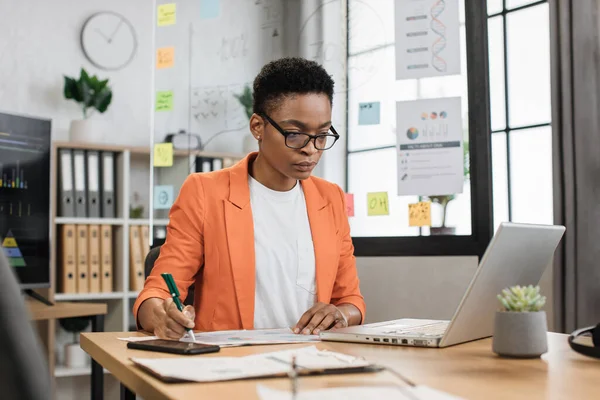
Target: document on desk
357,393
212,369
243,337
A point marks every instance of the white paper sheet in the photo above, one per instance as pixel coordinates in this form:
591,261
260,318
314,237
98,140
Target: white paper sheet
427,38
241,337
430,147
212,369
357,393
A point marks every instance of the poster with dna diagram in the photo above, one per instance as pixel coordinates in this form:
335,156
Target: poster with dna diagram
427,38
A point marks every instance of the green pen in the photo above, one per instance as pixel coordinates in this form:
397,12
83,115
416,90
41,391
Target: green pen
175,295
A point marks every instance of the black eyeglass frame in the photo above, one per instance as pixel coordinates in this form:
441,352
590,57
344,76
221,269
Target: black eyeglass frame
314,138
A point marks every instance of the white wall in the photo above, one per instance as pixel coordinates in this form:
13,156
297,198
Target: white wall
39,43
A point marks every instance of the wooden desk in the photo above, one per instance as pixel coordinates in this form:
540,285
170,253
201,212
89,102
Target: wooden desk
469,370
42,312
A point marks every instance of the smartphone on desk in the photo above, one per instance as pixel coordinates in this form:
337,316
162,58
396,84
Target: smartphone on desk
174,346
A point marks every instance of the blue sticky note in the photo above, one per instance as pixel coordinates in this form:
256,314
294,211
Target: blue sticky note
209,9
163,197
368,113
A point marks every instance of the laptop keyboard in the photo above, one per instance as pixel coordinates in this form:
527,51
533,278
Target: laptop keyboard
435,329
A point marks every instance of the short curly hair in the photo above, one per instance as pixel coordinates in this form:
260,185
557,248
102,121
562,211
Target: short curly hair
288,76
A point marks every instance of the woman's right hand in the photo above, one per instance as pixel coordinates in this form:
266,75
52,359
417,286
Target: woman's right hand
169,322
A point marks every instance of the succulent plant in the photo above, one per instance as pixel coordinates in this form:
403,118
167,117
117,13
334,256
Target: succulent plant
522,299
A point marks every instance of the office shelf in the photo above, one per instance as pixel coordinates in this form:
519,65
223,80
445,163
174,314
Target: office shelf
88,296
155,222
132,295
89,221
61,371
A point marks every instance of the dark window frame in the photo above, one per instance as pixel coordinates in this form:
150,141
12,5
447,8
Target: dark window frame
508,129
479,157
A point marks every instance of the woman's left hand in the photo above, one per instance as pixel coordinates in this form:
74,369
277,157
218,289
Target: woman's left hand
320,317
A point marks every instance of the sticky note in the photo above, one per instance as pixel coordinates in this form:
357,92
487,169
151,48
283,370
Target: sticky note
166,14
419,214
350,204
164,101
165,57
163,197
163,154
377,204
209,9
368,113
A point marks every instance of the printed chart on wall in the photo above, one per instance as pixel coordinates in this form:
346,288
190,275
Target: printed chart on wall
427,38
429,147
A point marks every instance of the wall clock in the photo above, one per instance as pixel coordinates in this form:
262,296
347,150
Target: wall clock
108,40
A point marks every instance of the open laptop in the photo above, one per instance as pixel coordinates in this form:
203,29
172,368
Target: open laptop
517,255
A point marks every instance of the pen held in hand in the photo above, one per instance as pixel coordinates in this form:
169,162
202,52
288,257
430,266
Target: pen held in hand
172,287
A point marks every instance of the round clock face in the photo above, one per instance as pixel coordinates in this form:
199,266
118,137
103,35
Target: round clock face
108,40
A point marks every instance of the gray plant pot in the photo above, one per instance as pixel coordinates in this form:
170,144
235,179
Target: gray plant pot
520,334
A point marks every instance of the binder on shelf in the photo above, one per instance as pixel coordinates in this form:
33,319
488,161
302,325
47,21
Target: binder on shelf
94,258
144,241
106,259
136,264
68,259
82,259
108,185
80,190
217,164
228,162
66,202
93,184
204,164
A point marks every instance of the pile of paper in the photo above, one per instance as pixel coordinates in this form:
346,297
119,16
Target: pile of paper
279,363
242,337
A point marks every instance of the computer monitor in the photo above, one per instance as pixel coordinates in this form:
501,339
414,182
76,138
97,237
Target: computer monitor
25,197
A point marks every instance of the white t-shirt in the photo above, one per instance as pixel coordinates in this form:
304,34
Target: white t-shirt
285,257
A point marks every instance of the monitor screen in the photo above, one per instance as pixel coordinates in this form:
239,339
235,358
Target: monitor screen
25,197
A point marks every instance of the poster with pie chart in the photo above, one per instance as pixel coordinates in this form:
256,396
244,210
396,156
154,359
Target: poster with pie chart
430,158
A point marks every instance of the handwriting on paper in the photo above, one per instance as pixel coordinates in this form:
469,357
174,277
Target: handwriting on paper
419,214
377,204
350,204
166,14
369,113
164,100
165,57
163,155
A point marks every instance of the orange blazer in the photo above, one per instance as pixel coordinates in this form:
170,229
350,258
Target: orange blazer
210,243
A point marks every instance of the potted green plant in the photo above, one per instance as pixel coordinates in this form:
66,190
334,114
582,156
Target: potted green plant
75,357
444,200
245,98
92,95
520,326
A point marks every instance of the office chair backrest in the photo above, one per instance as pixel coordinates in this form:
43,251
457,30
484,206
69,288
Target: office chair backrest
23,368
149,264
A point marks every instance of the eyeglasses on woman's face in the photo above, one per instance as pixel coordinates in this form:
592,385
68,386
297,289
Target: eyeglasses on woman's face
299,140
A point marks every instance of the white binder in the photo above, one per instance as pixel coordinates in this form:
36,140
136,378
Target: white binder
66,202
93,184
80,191
108,185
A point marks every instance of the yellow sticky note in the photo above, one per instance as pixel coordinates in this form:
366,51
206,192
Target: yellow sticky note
419,214
164,101
165,57
377,204
166,14
163,155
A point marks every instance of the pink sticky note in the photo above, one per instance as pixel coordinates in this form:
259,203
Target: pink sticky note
350,204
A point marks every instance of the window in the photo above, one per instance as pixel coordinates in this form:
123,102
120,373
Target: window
463,225
519,54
